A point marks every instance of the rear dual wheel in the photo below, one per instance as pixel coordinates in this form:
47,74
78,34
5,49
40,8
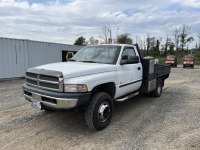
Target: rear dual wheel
158,91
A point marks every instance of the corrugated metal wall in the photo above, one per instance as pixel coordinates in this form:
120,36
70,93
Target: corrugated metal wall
16,56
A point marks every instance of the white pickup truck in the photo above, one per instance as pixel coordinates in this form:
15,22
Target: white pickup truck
93,80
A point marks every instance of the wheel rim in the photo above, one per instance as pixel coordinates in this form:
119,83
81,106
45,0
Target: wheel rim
104,112
159,89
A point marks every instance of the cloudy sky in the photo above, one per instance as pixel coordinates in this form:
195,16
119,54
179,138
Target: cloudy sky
62,21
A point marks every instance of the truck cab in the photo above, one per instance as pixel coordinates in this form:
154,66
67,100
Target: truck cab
93,79
171,60
188,61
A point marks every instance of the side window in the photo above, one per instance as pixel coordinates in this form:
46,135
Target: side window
128,51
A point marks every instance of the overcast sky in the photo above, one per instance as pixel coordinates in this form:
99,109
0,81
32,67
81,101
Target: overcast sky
62,21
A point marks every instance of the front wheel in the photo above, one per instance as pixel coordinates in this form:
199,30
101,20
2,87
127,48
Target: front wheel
158,91
99,111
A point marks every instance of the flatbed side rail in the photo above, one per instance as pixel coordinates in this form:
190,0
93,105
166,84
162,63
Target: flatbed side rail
161,70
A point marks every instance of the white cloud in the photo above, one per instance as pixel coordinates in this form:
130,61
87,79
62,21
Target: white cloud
188,3
61,21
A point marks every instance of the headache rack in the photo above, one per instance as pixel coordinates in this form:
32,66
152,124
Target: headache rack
45,79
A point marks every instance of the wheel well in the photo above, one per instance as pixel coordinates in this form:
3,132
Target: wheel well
107,88
163,79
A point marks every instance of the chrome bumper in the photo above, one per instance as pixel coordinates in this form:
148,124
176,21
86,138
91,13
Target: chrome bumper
53,102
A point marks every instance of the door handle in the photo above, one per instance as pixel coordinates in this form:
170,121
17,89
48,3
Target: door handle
138,68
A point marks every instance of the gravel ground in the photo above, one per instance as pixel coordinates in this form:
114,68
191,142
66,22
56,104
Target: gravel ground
169,122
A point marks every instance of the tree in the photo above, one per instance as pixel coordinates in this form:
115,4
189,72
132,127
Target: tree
167,44
198,36
148,43
106,34
189,40
184,39
176,37
93,41
80,41
171,48
152,43
124,39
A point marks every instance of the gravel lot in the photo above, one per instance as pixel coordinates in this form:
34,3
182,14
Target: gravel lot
169,122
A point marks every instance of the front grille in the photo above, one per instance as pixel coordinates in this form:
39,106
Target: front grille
31,75
31,81
49,78
44,81
49,85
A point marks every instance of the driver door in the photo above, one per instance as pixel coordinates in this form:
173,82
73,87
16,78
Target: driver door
129,75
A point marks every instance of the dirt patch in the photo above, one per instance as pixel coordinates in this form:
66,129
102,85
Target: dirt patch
169,122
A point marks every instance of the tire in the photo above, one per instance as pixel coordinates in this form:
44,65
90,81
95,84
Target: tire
183,66
176,65
101,103
158,91
192,67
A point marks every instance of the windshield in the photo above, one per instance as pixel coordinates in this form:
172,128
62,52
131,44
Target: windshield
105,54
188,58
170,58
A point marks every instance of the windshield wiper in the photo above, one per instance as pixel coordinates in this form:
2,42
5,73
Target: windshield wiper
88,61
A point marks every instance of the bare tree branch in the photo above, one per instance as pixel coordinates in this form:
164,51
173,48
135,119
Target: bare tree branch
105,33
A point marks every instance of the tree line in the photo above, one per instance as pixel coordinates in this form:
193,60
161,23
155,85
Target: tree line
176,44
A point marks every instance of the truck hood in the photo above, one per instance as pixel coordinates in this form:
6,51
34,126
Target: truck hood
76,69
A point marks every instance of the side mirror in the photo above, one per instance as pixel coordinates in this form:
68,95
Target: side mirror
130,60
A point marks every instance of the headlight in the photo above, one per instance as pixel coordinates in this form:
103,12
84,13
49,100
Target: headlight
75,88
191,62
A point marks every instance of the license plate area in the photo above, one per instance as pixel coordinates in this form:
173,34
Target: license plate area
36,104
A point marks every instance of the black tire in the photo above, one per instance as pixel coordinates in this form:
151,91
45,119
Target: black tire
176,65
183,66
158,91
92,114
192,67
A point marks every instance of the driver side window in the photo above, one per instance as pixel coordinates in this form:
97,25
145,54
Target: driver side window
128,51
